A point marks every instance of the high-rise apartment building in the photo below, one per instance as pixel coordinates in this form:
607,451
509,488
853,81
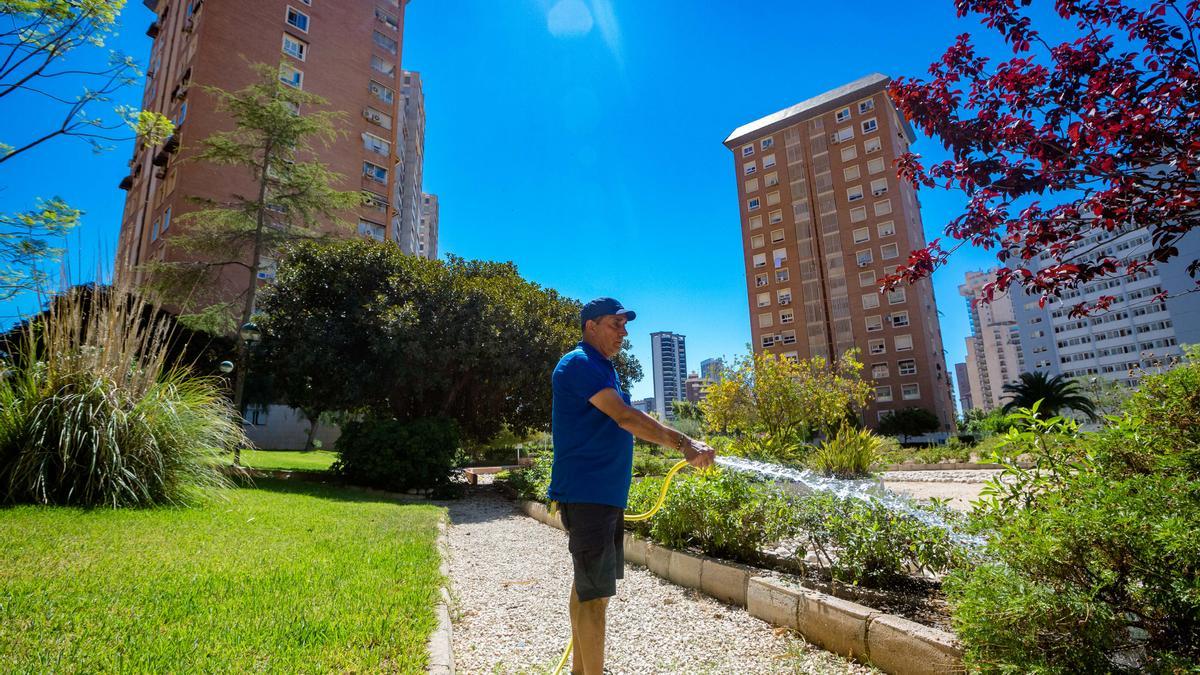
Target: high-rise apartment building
994,354
347,52
411,168
670,371
823,220
711,369
1129,337
965,402
427,247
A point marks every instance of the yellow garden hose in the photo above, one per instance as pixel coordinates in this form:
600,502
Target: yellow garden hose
662,497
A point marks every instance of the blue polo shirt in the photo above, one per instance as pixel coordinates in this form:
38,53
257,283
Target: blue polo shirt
593,455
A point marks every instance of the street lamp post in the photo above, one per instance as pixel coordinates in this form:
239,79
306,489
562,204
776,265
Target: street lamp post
248,337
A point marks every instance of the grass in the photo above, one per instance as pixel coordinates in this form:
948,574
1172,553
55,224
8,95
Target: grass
288,460
283,578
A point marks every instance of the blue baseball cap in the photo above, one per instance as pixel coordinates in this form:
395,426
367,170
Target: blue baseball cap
603,307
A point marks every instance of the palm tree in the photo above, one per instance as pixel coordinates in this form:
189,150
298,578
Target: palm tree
1056,394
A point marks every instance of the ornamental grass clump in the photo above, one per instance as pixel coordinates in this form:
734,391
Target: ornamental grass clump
93,414
848,454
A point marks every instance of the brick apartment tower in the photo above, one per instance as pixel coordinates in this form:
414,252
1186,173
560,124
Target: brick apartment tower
823,219
428,235
346,51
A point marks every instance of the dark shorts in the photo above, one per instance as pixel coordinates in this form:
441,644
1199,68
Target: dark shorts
596,539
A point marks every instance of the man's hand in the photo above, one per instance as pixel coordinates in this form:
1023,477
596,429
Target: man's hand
698,454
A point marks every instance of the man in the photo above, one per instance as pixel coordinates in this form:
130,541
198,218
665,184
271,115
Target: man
593,427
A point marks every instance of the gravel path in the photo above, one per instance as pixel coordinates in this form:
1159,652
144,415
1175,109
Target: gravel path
960,487
510,576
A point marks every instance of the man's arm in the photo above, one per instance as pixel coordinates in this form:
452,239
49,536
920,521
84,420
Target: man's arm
649,429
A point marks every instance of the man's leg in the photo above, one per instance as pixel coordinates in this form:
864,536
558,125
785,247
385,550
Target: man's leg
587,634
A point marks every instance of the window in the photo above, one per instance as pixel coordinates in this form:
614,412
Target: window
760,259
752,204
377,201
789,338
776,236
378,117
869,126
903,343
383,66
755,222
154,231
376,144
297,19
381,92
875,165
386,19
854,194
293,47
866,106
760,280
843,114
751,185
768,143
871,145
766,320
374,172
182,114
864,257
886,229
874,323
784,297
879,371
775,217
369,229
851,173
849,153
870,300
896,296
747,150
291,76
889,251
899,319
772,179
772,198
166,221
883,394
858,214
883,208
862,234
768,339
879,187
749,168
844,134
907,367
786,316
384,42
780,256
763,299
781,275
768,161
757,241
876,347
910,391
866,278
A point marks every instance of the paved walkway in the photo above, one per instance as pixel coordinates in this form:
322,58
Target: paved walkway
961,487
510,576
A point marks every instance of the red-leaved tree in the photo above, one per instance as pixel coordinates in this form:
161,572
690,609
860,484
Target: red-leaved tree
1063,141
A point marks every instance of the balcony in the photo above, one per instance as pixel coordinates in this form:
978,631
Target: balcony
126,183
152,31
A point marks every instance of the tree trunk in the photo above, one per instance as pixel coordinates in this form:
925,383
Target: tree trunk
313,421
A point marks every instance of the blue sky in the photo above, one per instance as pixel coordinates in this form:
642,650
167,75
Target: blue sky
582,140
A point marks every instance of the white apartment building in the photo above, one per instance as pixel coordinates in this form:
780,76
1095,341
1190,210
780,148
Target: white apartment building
994,356
670,371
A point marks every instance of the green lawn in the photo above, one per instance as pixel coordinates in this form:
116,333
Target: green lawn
282,578
291,460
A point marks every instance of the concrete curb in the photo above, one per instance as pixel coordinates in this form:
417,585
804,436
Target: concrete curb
948,466
441,643
891,643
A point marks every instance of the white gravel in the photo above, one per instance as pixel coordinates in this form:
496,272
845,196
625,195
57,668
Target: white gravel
510,579
950,476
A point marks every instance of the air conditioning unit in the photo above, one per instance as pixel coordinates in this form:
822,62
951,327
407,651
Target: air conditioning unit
373,115
833,138
785,301
880,192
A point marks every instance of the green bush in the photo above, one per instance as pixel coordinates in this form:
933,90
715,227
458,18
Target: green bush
848,454
865,542
394,455
531,482
723,513
1094,554
782,450
91,412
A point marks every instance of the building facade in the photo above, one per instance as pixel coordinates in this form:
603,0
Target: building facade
695,388
823,220
669,355
1135,335
347,52
411,168
427,246
711,369
994,354
965,402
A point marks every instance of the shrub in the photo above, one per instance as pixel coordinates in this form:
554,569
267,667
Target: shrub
723,513
907,422
849,454
783,450
394,455
865,542
531,482
92,413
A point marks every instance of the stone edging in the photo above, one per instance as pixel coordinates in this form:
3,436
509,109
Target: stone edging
440,646
891,643
949,466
